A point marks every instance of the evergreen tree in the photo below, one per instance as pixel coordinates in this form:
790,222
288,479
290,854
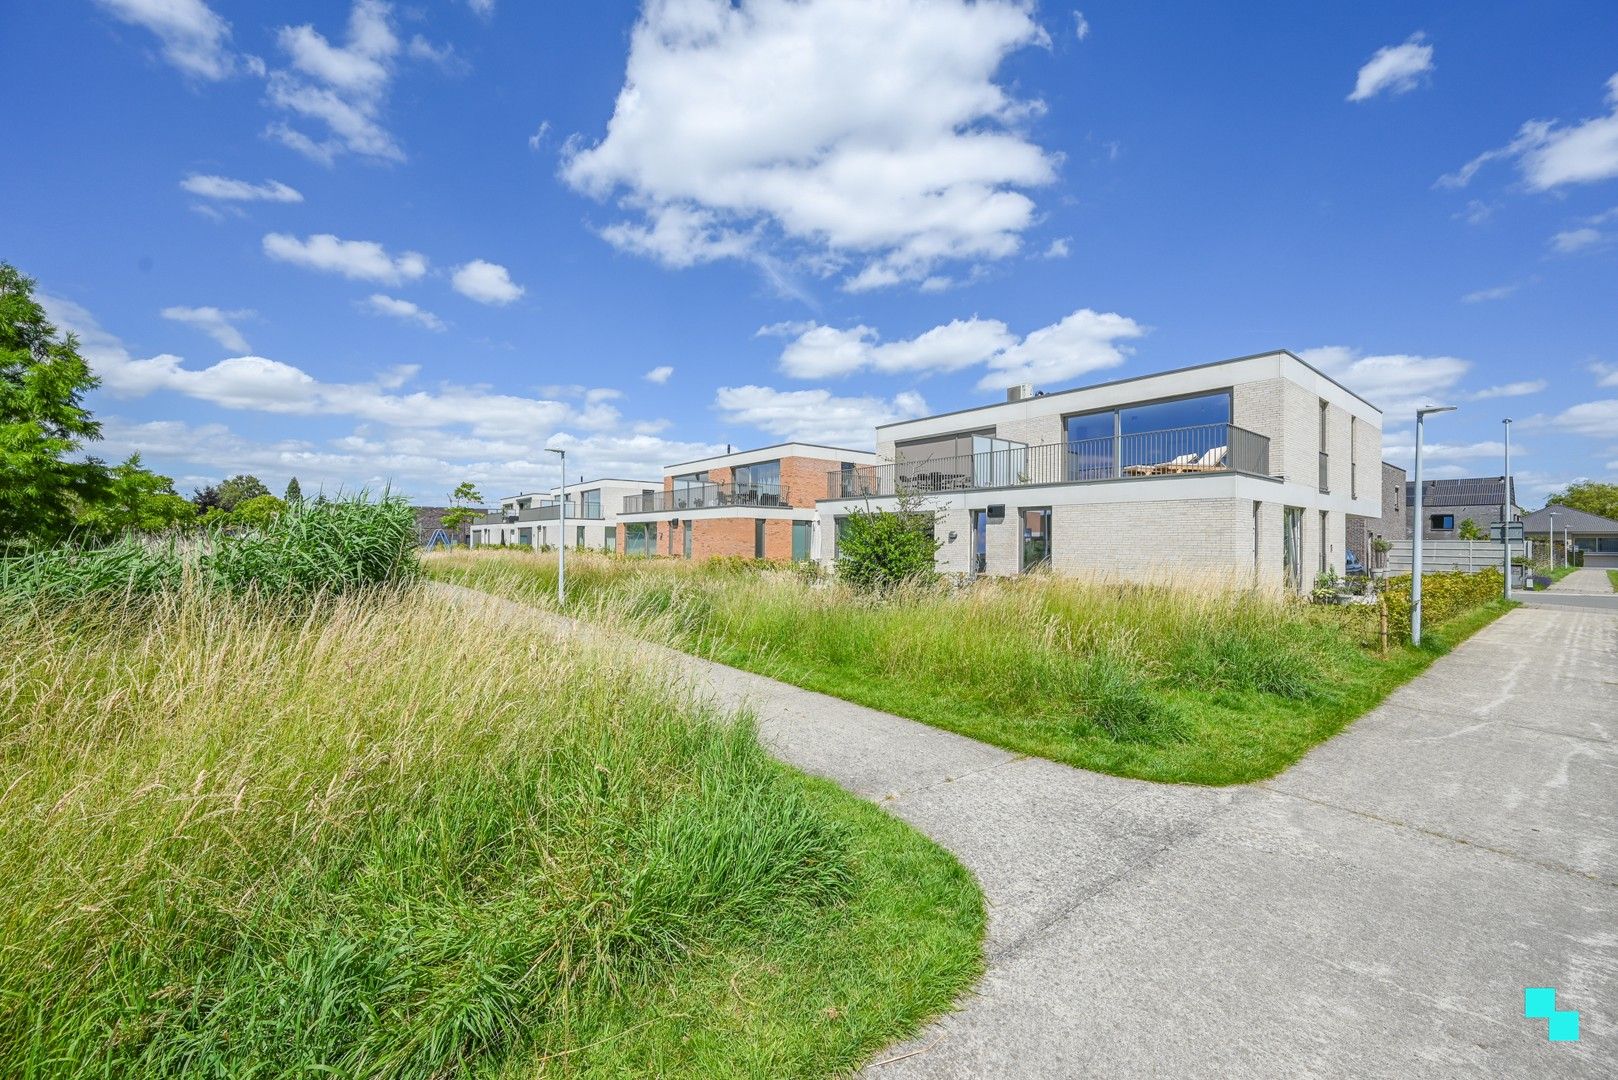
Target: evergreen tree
294,493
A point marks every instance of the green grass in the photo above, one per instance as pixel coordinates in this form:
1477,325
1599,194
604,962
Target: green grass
1197,685
375,834
1612,576
1560,572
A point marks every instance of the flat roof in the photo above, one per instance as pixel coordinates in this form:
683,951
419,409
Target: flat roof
1139,378
772,446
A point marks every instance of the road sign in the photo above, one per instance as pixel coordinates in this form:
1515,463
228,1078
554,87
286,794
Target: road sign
1495,530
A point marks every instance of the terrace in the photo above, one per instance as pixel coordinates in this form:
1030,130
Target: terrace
1184,451
705,496
550,512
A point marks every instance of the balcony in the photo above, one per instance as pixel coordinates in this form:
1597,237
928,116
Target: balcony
1187,451
554,511
704,497
491,519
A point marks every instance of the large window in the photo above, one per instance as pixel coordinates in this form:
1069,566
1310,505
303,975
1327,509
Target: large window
1181,434
760,483
590,503
685,538
640,538
1036,538
610,538
802,539
1441,522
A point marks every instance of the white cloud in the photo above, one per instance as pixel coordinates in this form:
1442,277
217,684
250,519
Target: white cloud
341,87
195,39
444,56
1082,342
484,8
1476,212
1404,449
814,415
1394,69
1081,25
539,134
1060,248
1549,155
361,260
217,324
1511,389
382,304
486,282
1498,292
1594,418
659,375
1606,374
845,131
1396,383
260,384
1570,240
223,187
826,351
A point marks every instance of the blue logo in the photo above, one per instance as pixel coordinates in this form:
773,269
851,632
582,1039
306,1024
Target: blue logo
1539,1003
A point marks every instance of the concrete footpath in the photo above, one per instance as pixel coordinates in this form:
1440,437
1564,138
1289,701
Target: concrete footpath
1376,911
1586,581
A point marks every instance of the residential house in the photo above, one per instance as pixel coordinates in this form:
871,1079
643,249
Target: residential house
1447,504
1246,468
753,503
1390,525
534,519
1592,534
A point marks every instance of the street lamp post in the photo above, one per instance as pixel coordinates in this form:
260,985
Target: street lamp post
561,540
1550,539
1417,525
1505,513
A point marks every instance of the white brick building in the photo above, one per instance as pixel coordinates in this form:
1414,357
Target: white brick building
1245,468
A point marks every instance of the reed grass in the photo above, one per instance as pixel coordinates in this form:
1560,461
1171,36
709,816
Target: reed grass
374,835
1198,682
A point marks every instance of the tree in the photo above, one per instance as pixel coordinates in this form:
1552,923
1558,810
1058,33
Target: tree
238,489
135,500
463,503
1591,497
883,548
258,512
294,493
206,499
43,380
1470,530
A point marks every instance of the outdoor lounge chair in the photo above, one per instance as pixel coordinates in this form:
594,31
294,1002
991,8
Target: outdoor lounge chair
1164,467
1212,461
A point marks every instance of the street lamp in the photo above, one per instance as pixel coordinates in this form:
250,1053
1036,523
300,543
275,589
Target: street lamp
1550,539
1417,525
561,540
1505,513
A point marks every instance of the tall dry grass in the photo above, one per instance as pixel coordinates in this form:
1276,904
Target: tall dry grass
367,835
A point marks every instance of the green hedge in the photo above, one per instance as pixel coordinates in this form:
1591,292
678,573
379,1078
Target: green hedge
1444,596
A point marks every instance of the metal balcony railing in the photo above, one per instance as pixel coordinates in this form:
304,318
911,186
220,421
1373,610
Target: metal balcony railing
552,512
490,519
1187,451
704,496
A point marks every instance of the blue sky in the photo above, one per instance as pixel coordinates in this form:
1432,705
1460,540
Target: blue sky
419,243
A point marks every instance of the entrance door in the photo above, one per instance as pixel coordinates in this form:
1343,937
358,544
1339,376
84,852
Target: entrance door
801,533
1292,547
980,541
685,538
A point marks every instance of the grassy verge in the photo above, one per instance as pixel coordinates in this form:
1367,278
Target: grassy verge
1612,576
1560,572
369,835
1207,686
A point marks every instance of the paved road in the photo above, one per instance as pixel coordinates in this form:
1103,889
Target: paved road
1376,911
1587,580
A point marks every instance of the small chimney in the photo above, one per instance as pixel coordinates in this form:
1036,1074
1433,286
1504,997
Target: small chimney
1020,392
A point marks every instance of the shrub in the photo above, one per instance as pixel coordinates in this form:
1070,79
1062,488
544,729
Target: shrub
880,549
1443,597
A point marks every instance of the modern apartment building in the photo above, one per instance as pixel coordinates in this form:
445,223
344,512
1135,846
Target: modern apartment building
535,519
1393,524
754,503
1246,467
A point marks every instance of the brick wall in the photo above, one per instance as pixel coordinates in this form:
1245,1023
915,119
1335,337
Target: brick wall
803,479
1149,540
711,537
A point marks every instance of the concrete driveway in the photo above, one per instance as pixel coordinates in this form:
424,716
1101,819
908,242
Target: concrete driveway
1377,911
1587,580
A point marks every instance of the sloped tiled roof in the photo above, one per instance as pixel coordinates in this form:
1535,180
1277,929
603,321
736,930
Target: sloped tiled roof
1580,522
